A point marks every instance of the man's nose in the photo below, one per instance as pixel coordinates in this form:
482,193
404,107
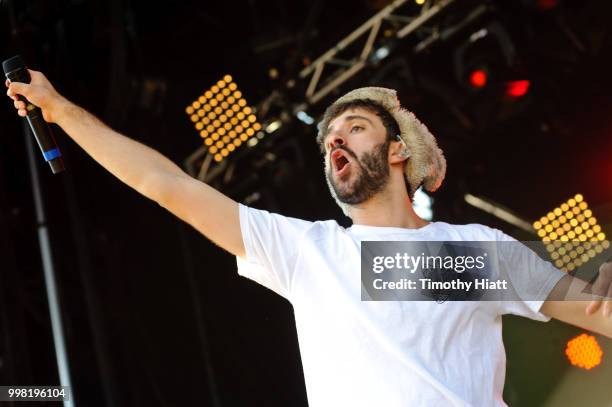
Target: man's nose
335,139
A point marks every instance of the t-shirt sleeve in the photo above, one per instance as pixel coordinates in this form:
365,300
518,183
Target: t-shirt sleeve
271,243
531,277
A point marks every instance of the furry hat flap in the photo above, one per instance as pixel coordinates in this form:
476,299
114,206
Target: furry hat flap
426,164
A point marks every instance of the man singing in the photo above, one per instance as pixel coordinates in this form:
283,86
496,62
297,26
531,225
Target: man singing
354,353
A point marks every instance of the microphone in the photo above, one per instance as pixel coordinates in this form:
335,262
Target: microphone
15,70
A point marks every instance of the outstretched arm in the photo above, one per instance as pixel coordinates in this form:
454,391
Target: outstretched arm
142,168
581,310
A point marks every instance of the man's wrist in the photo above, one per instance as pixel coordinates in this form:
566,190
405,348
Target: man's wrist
63,111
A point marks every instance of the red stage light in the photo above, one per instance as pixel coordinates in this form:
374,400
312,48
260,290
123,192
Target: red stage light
478,78
517,89
547,4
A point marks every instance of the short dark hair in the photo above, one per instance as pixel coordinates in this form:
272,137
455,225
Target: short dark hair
369,105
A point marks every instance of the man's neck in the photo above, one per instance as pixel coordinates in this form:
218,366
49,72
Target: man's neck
387,209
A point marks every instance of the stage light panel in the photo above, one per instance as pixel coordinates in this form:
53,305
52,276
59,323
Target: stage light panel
571,234
584,351
222,118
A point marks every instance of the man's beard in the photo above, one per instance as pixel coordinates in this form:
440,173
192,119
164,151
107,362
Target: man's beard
371,172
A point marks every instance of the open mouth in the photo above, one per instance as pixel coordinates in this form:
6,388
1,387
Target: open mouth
340,161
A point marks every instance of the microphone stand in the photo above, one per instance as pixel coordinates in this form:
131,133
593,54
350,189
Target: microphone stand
47,263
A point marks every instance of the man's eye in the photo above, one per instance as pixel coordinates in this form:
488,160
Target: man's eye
356,128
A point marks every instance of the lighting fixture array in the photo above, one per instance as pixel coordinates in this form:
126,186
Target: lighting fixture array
583,351
571,234
222,118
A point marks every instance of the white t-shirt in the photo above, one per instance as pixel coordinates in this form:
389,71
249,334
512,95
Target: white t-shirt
391,353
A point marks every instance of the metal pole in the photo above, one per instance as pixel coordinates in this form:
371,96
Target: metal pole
197,308
47,263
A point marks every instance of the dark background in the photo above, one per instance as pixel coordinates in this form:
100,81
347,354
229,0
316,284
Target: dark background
154,313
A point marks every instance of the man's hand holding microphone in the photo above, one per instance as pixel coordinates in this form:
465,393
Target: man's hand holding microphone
37,101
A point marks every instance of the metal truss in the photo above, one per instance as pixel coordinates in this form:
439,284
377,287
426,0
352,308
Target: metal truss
323,81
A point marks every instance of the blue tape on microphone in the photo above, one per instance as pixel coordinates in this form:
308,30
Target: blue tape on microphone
51,154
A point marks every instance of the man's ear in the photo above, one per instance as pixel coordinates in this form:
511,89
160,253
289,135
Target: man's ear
398,151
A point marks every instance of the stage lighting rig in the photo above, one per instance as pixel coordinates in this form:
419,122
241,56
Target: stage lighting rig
223,119
371,42
571,234
584,351
485,57
402,22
